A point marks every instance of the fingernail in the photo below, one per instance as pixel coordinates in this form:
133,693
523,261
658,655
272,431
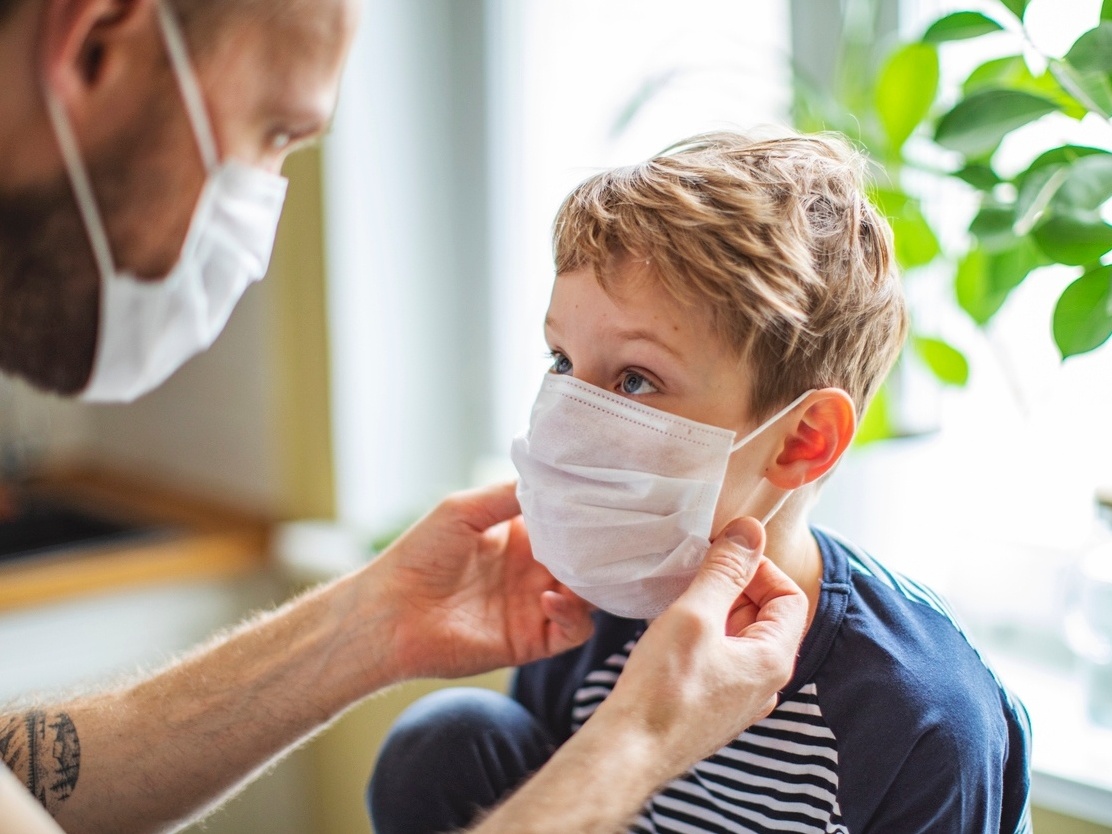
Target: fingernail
743,533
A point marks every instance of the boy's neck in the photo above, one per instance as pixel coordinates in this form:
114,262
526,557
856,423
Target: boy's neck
792,547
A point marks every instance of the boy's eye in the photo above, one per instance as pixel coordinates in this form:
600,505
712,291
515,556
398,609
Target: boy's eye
633,384
560,363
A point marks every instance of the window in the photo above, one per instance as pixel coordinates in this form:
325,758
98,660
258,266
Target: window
582,85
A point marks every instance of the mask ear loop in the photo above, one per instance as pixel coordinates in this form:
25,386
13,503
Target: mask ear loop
737,445
785,410
186,77
79,181
777,506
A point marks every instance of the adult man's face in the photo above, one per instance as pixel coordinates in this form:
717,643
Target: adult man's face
269,72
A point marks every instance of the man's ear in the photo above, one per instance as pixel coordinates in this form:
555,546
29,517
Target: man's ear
83,44
816,439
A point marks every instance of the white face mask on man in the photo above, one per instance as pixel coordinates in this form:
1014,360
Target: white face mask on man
148,329
619,498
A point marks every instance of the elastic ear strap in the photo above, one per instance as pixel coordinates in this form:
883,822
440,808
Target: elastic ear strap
771,420
187,83
776,507
79,181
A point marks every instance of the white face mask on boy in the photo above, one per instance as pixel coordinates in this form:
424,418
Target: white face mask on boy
619,498
148,329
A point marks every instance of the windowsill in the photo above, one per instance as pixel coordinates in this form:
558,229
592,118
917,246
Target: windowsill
200,541
1072,757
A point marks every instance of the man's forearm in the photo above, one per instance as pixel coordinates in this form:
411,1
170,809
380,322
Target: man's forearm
150,755
595,782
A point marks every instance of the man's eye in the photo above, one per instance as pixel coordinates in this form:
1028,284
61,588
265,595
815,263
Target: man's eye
634,384
560,363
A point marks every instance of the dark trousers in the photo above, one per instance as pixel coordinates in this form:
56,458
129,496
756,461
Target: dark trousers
450,756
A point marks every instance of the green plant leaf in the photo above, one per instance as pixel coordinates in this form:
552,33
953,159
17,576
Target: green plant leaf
1012,73
959,26
1106,10
915,241
905,90
1074,239
946,362
1092,52
985,279
993,227
977,124
1083,315
876,422
1016,7
1086,71
1050,169
1063,155
1036,191
889,201
979,176
1087,185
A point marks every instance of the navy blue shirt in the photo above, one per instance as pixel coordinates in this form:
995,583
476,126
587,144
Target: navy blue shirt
892,722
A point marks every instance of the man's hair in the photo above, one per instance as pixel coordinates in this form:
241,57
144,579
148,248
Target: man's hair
773,236
7,7
199,17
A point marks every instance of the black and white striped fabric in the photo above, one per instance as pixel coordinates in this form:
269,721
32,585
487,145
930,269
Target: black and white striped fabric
893,722
779,775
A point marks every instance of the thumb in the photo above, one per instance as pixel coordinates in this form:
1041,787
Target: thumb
729,565
484,507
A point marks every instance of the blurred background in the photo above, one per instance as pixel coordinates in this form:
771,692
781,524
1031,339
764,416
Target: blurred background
396,346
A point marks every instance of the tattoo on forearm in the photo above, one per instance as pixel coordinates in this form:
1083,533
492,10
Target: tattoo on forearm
43,750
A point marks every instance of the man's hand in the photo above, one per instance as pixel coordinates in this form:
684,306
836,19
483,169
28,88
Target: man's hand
713,663
704,671
467,594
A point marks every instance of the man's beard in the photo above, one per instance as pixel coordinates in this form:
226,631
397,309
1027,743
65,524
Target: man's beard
49,290
49,280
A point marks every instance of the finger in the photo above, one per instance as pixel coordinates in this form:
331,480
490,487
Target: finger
484,507
743,615
769,583
728,567
782,607
570,622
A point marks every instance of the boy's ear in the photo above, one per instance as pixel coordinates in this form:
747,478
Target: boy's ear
83,45
816,440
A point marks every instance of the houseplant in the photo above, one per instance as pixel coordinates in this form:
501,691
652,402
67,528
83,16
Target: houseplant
1051,210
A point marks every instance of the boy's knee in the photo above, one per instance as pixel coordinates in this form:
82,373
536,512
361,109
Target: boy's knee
450,755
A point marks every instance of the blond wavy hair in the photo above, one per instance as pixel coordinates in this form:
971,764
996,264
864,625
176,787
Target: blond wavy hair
774,236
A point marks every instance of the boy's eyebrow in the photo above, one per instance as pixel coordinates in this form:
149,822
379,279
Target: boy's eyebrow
637,334
645,335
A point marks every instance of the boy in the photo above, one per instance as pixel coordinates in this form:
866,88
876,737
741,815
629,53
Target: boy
729,288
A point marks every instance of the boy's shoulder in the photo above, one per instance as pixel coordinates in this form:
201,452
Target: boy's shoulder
922,736
906,693
880,634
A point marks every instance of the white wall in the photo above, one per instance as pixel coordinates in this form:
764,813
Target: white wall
406,211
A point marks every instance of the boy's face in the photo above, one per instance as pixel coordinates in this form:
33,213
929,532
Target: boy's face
637,341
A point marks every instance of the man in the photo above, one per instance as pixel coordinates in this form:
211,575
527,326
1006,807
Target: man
140,142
